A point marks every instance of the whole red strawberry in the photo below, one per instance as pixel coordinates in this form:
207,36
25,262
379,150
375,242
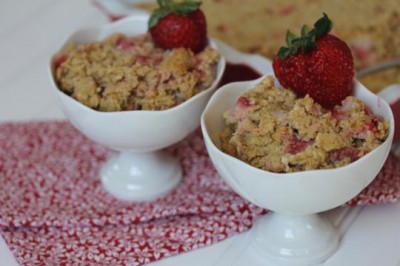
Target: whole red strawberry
317,63
175,25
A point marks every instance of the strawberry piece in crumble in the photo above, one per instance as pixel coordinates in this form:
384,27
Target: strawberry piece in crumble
243,102
295,146
123,43
344,154
59,60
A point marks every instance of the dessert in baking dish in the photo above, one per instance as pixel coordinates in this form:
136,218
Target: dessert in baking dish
371,28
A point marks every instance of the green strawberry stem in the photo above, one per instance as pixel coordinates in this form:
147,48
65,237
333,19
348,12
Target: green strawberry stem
308,39
167,7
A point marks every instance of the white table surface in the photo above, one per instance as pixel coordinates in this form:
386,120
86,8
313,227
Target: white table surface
30,31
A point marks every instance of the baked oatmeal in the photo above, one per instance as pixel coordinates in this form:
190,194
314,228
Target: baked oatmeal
130,73
272,129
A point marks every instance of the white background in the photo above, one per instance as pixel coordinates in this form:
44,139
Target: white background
30,31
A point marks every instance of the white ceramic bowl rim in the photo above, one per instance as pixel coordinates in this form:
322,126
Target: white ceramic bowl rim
140,17
289,175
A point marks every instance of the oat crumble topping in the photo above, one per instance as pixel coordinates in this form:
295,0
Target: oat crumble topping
130,73
273,130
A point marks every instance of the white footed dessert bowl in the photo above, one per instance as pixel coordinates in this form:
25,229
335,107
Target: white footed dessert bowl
293,233
140,171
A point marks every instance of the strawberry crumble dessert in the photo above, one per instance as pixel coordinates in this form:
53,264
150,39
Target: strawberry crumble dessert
274,130
141,72
314,122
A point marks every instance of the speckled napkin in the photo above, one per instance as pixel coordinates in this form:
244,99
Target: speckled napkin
54,211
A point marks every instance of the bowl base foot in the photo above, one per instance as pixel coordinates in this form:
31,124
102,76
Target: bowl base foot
294,239
141,176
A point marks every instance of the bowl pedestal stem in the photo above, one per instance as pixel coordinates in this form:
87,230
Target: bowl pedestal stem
294,239
140,176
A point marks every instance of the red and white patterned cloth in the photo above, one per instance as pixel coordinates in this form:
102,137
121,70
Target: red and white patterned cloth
54,210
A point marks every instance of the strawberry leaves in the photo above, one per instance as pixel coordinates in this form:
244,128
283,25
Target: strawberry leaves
308,39
322,27
167,7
